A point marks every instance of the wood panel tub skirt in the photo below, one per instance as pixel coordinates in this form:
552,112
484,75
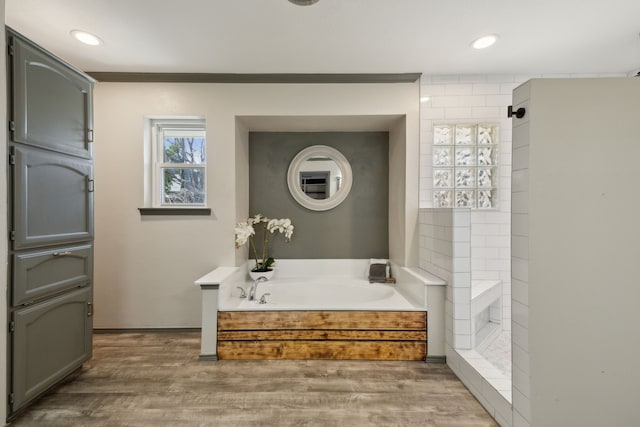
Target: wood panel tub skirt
339,335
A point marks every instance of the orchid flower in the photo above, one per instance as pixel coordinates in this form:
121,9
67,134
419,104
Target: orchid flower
245,232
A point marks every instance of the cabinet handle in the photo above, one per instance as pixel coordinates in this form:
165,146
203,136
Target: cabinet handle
89,135
91,185
89,309
67,253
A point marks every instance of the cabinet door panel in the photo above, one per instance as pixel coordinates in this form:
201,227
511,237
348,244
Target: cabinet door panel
51,102
42,273
51,339
52,198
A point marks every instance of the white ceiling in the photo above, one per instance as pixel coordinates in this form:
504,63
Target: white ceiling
338,36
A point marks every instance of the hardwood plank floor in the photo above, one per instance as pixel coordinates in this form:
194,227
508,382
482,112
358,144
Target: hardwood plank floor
156,379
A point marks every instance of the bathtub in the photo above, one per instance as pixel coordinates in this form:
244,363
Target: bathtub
322,318
321,294
336,313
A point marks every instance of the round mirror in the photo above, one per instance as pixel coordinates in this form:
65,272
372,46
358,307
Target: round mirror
319,177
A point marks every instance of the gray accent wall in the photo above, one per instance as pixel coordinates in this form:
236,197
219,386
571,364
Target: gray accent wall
357,228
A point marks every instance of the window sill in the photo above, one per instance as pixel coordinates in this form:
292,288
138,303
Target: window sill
175,211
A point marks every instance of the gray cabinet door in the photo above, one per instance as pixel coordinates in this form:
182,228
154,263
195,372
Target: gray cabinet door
51,340
52,198
52,103
38,274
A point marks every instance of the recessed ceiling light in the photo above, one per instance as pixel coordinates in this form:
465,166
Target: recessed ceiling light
86,38
303,2
484,41
425,98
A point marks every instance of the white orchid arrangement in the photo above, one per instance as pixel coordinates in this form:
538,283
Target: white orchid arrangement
245,232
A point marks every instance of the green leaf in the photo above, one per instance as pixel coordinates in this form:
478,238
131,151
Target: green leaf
269,262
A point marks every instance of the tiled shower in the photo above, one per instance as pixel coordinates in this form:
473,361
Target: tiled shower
484,365
465,188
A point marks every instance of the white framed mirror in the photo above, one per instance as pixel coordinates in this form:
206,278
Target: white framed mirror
319,177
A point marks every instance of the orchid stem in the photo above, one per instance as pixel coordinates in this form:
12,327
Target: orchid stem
265,242
253,248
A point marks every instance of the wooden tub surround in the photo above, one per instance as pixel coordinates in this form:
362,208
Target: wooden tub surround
344,335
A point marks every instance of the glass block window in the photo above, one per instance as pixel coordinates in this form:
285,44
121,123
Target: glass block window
465,166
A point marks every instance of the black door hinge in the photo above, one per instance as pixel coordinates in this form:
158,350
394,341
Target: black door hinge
12,235
12,159
12,126
10,398
12,326
10,48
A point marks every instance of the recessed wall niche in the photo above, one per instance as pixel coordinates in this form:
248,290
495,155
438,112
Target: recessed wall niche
356,228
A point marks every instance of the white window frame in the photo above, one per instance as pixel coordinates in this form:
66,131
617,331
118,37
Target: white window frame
157,129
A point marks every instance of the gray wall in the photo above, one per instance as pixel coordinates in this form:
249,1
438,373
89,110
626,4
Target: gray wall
357,228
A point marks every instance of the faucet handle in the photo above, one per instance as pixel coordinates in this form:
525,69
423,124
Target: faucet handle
243,293
263,298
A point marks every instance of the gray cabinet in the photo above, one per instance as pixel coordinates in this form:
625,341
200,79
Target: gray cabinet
51,221
52,197
51,102
39,273
51,340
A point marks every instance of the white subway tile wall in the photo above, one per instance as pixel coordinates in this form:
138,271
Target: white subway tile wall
468,99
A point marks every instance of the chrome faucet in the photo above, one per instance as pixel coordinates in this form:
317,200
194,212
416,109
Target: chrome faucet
252,291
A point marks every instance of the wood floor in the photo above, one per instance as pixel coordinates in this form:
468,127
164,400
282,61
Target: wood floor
156,380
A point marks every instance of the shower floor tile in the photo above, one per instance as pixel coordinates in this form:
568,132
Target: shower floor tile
498,353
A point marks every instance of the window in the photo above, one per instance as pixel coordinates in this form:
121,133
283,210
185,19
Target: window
465,166
179,163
